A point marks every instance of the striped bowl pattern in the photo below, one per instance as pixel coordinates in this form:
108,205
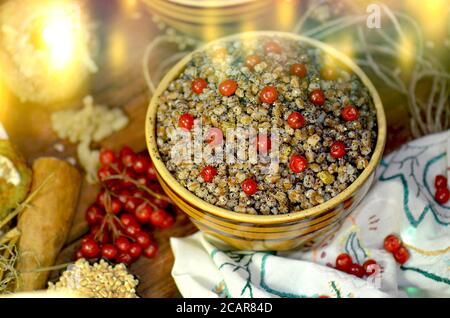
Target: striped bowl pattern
302,229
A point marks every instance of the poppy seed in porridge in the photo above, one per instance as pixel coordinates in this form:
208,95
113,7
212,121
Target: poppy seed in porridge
323,116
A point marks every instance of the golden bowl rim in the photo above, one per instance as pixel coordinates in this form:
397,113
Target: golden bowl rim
150,134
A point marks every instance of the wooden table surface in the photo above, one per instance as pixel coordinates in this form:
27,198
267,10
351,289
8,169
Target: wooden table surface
120,83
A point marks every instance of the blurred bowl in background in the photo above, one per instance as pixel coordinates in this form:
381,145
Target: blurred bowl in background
211,19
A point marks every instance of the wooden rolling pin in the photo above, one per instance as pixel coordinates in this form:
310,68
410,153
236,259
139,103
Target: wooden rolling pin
45,224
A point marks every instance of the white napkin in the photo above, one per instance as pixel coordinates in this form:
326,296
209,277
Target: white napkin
401,202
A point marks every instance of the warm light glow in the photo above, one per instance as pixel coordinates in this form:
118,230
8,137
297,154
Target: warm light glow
129,5
343,43
432,16
406,51
64,45
59,35
4,99
210,32
247,26
49,49
286,13
117,49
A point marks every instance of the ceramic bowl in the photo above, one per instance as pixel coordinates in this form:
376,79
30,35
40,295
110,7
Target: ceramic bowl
269,232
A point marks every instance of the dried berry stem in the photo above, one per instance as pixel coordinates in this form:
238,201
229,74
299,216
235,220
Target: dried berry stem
139,186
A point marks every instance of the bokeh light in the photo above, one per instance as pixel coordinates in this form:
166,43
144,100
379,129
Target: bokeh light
59,36
286,13
406,51
430,15
48,45
117,49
